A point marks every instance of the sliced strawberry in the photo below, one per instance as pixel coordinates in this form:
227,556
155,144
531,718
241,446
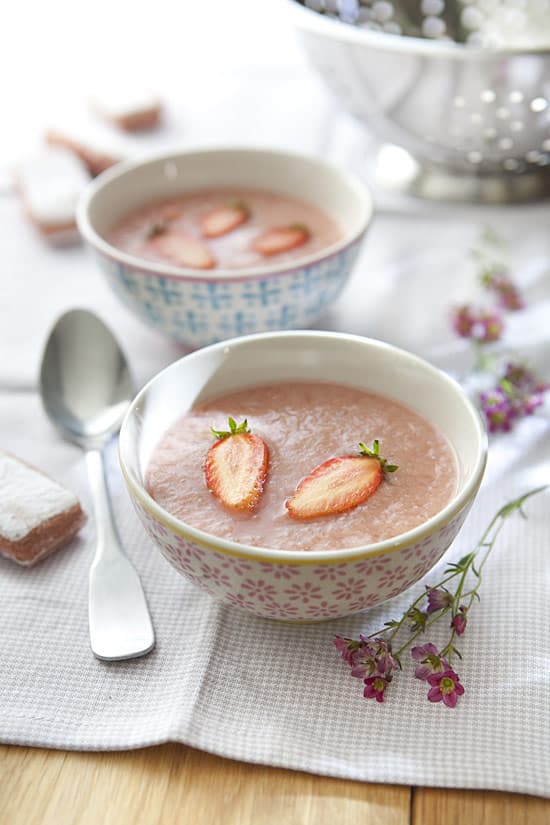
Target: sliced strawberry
236,467
224,219
171,212
339,484
281,239
183,250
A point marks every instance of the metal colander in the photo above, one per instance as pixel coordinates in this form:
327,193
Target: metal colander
480,23
461,86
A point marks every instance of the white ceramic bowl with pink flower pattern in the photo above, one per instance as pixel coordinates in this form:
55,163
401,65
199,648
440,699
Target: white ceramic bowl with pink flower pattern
294,585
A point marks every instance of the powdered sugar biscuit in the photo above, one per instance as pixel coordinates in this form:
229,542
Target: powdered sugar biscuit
95,149
37,515
131,109
49,184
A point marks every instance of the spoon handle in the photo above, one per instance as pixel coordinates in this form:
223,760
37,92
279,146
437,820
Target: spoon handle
120,625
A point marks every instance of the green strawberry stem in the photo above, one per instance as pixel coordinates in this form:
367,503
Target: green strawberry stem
238,206
157,228
301,227
374,452
234,429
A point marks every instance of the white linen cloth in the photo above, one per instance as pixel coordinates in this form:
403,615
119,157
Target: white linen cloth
219,679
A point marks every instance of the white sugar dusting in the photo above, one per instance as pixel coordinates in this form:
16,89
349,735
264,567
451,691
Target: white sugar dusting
28,498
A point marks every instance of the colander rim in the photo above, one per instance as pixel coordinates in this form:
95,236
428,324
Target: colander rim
313,21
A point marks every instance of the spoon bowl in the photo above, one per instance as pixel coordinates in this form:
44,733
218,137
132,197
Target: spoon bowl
85,382
86,388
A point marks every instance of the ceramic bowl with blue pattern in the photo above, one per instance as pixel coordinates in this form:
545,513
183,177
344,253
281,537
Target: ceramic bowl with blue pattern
202,307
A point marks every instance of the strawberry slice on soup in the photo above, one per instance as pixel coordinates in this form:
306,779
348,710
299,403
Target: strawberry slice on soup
224,219
237,466
281,239
183,250
339,484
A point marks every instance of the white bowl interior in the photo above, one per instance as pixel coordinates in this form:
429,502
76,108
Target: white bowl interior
129,186
305,356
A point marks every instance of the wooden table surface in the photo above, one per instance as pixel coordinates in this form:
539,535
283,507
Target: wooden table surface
173,784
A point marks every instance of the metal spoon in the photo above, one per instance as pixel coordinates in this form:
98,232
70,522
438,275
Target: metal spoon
86,387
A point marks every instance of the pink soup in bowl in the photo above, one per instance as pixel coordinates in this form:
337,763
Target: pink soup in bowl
311,398
205,245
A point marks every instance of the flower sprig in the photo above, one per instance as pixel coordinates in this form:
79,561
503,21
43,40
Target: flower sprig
376,657
518,392
515,391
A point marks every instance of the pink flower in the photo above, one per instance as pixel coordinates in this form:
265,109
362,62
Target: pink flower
373,657
498,409
523,388
375,687
438,598
463,321
346,648
363,663
446,687
482,325
431,662
459,621
506,291
487,327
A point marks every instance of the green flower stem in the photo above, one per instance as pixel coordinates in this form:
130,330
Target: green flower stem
462,568
420,630
397,627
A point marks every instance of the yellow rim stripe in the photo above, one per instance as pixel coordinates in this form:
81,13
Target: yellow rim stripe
371,554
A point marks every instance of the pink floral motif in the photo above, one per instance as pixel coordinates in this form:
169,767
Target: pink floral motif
293,592
395,591
260,590
448,530
306,592
173,551
285,611
238,566
191,553
383,560
395,575
187,566
357,605
197,581
279,571
362,568
419,569
330,572
372,599
240,600
215,576
349,588
323,608
160,530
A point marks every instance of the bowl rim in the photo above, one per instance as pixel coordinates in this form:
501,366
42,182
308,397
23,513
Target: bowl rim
313,21
457,504
161,270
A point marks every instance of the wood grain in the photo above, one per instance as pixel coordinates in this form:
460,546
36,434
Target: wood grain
433,806
173,783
